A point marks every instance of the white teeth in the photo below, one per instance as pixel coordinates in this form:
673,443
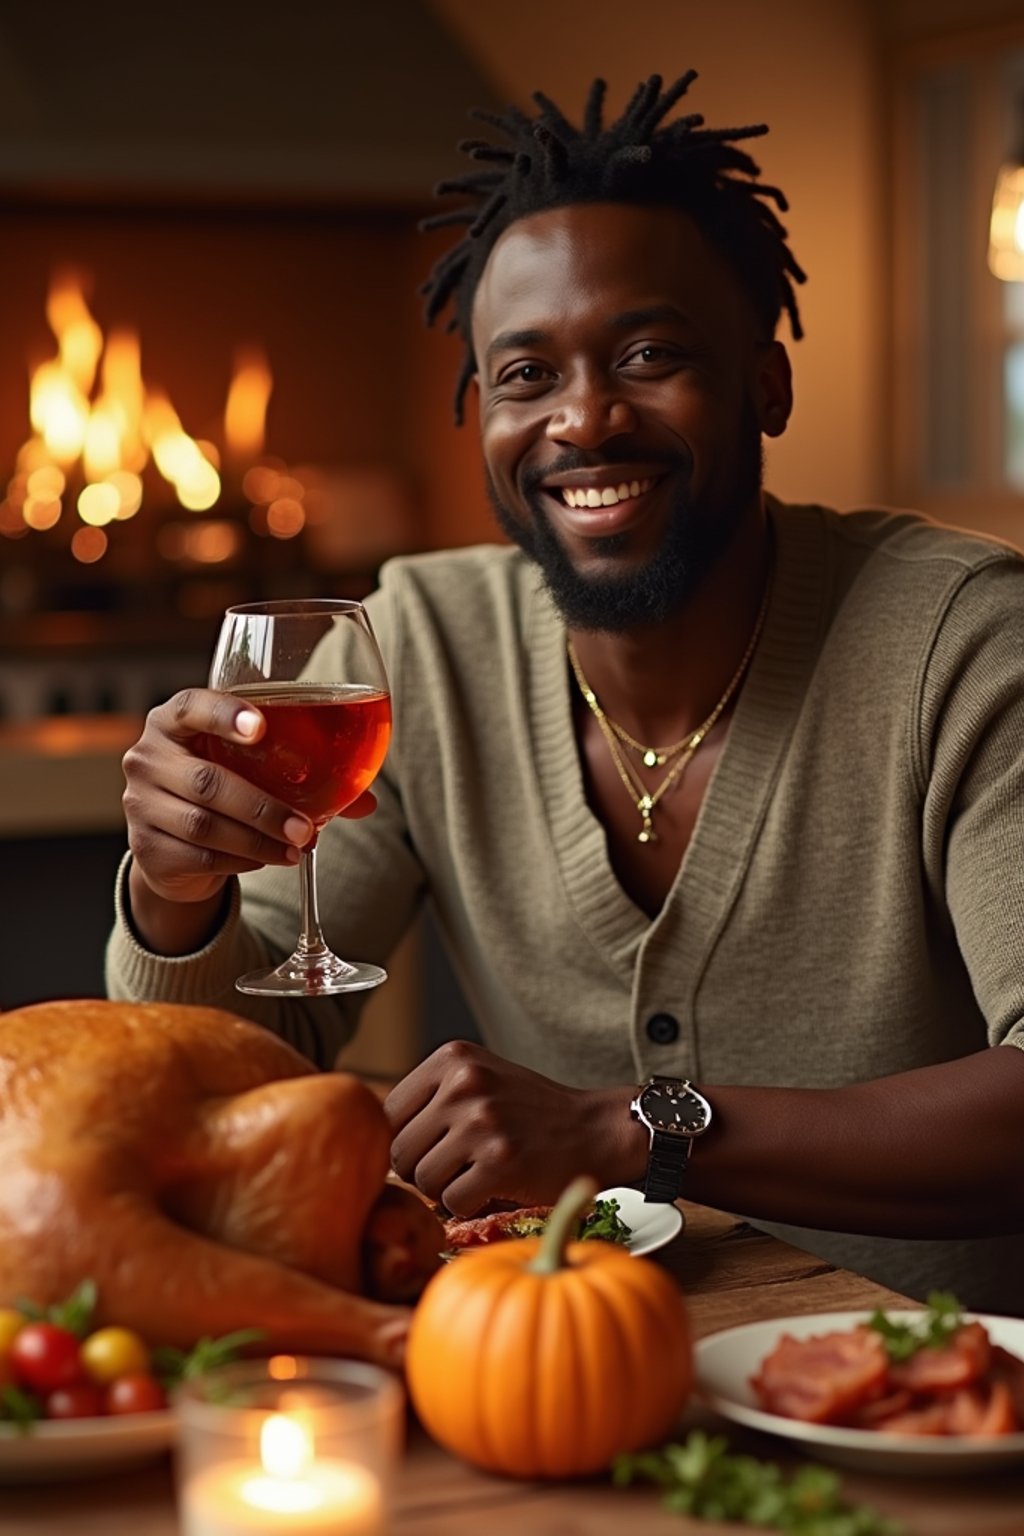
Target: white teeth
610,496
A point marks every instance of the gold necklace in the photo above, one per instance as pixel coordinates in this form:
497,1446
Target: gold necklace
681,751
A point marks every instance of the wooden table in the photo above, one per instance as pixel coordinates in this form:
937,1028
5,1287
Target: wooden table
731,1274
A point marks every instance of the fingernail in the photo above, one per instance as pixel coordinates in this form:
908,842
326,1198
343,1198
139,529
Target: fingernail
297,829
247,723
292,855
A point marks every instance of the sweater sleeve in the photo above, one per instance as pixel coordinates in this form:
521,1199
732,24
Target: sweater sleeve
369,881
972,760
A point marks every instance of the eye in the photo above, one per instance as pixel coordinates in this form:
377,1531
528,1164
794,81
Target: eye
523,373
651,354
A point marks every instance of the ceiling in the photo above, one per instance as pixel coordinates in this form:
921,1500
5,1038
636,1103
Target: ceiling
308,102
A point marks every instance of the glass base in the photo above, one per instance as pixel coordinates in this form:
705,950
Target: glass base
312,976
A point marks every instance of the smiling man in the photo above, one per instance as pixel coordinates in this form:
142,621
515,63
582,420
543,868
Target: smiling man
717,800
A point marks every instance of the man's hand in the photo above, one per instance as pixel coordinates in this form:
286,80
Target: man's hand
469,1127
192,824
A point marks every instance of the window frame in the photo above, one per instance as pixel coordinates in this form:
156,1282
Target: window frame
983,500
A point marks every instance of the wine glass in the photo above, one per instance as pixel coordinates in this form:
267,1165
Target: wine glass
312,667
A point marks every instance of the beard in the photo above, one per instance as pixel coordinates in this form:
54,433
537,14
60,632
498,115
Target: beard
699,530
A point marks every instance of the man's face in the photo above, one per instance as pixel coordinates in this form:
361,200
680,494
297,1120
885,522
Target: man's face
620,362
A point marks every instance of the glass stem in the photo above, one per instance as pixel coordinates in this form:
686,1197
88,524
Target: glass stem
311,939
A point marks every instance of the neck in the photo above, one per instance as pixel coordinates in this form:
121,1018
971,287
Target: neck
663,680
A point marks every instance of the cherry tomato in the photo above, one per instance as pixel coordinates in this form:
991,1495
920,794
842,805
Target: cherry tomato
112,1352
135,1394
11,1322
83,1400
45,1357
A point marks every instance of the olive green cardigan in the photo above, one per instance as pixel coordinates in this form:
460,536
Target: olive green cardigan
851,903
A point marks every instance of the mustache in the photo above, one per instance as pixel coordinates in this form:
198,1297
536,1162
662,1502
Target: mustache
573,459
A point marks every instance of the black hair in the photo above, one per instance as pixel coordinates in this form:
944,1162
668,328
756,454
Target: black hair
550,164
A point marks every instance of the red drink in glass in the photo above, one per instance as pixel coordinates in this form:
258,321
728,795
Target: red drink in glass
323,744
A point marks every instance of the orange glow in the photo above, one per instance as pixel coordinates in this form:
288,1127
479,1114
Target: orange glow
98,505
260,483
78,336
58,411
285,517
45,481
41,512
212,543
89,545
129,492
245,414
94,420
12,524
101,453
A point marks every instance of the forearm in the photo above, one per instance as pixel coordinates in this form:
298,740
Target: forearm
932,1153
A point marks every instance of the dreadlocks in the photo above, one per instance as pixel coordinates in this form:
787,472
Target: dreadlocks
550,164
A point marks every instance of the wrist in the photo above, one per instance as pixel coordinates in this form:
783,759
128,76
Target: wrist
170,928
622,1142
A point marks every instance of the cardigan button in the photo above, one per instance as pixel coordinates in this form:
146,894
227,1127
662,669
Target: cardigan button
663,1029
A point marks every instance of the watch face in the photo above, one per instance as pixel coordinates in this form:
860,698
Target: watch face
672,1107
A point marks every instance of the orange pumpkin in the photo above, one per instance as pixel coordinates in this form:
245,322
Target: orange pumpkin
544,1358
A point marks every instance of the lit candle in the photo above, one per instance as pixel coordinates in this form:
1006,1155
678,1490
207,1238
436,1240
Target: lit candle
286,1493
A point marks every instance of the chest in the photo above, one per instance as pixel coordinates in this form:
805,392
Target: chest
645,868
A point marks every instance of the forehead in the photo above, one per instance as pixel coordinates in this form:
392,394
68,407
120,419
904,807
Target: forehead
569,264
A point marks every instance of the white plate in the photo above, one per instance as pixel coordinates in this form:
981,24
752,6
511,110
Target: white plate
57,1450
727,1360
653,1225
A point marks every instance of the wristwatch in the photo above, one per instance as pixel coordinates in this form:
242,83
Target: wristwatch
674,1113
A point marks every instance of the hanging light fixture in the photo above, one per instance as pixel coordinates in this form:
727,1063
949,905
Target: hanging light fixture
1006,231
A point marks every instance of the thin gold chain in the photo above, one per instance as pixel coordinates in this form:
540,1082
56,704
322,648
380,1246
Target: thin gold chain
644,799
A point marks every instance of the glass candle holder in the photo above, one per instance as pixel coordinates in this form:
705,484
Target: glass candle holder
288,1447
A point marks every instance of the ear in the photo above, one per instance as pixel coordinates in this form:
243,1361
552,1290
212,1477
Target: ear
772,387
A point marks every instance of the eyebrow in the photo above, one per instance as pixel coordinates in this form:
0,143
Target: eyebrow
654,314
511,341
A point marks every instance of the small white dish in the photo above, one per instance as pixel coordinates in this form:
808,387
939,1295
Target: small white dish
653,1224
726,1361
57,1450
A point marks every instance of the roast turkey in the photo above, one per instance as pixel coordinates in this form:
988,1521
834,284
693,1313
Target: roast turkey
205,1177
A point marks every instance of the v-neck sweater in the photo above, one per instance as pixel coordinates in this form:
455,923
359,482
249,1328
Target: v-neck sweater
850,905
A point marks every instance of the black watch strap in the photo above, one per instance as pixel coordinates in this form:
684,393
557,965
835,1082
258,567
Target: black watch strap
666,1164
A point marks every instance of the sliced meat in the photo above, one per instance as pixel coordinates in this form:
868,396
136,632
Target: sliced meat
874,1414
824,1379
474,1232
1009,1369
983,1410
964,1360
928,1416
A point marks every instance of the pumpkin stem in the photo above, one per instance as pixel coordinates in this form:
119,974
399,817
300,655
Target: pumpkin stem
563,1224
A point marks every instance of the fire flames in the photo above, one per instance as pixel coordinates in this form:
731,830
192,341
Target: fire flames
97,425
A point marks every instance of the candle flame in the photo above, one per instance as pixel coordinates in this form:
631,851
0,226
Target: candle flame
286,1446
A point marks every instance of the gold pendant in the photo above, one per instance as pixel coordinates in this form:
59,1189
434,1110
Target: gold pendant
648,835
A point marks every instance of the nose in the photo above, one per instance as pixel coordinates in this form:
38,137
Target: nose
588,411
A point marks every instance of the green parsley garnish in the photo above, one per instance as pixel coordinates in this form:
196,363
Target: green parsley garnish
174,1366
935,1328
605,1222
74,1313
702,1478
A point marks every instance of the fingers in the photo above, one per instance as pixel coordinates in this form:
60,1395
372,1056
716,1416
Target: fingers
364,806
205,711
191,822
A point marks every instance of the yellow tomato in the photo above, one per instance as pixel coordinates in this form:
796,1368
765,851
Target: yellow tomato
112,1352
11,1322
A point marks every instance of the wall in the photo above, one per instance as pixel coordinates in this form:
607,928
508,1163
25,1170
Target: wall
808,69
